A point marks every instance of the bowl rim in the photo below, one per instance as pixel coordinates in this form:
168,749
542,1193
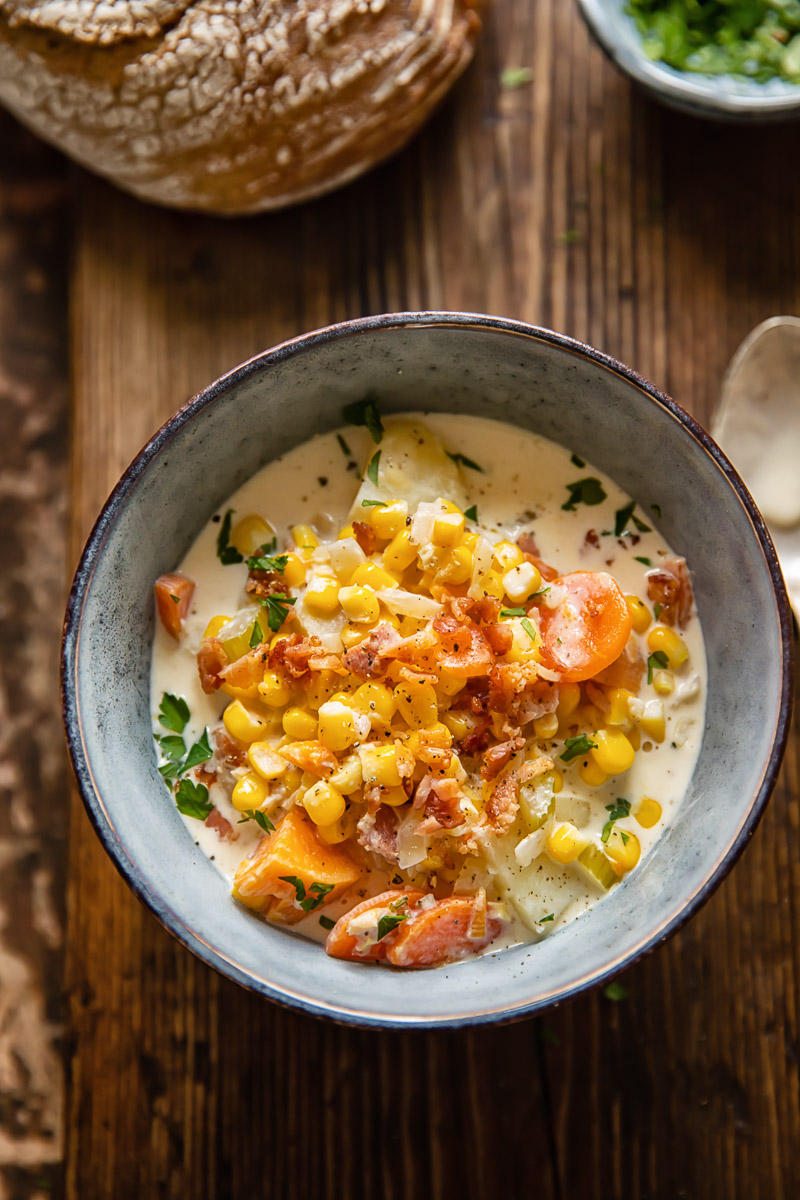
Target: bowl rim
691,92
93,802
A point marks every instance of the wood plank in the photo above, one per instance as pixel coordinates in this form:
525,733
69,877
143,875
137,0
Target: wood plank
181,1084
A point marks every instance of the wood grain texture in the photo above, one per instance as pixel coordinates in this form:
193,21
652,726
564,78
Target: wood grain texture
33,561
571,202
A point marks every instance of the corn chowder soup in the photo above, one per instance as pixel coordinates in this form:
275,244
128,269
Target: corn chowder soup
434,709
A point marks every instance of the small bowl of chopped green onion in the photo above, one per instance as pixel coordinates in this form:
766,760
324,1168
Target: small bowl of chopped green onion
731,60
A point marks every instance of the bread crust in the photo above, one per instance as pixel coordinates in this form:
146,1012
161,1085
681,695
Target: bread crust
230,106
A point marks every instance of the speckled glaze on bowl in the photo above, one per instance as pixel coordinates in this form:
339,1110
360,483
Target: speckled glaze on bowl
719,97
449,362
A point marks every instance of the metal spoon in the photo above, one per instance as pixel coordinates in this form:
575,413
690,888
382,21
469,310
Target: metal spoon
757,423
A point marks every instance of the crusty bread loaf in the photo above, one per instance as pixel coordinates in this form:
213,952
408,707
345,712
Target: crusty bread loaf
230,106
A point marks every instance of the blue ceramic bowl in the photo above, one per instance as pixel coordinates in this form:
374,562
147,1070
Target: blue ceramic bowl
449,362
717,96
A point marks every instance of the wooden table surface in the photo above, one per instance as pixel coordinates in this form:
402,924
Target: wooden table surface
571,202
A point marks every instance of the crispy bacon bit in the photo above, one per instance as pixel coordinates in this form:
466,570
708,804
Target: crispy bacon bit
442,807
671,587
211,661
591,539
486,609
365,536
264,583
627,672
476,741
225,830
204,775
499,637
497,756
310,756
466,652
230,752
247,670
503,805
527,544
294,653
377,832
368,658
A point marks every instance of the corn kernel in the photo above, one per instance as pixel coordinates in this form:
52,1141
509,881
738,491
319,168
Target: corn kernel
346,532
249,792
400,553
457,566
546,726
458,724
668,642
292,780
322,686
337,728
416,701
557,778
214,625
304,537
295,571
388,519
565,843
664,682
382,765
448,683
470,540
492,585
351,635
624,850
652,720
619,713
507,555
250,534
569,697
394,796
264,760
360,604
323,803
322,596
613,753
340,830
375,698
634,737
299,723
521,582
274,690
648,813
370,574
448,529
640,613
348,778
591,773
243,724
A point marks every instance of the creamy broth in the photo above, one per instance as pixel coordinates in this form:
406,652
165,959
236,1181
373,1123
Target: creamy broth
523,486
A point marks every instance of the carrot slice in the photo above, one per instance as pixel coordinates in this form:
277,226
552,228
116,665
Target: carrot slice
173,597
293,852
447,931
341,943
589,629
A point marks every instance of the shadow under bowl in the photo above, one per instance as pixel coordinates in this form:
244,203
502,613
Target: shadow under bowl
459,363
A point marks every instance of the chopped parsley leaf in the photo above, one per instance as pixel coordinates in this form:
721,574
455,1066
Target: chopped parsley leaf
512,612
365,412
640,525
226,553
574,747
199,753
549,917
657,659
256,636
622,517
588,491
626,837
172,746
346,451
260,818
656,509
388,922
526,625
657,610
461,460
471,513
577,462
616,992
268,562
515,77
173,712
326,922
541,592
175,599
648,562
316,892
372,469
277,609
192,800
622,808
373,504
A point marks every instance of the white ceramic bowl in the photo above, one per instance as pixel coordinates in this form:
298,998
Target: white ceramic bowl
451,362
717,96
